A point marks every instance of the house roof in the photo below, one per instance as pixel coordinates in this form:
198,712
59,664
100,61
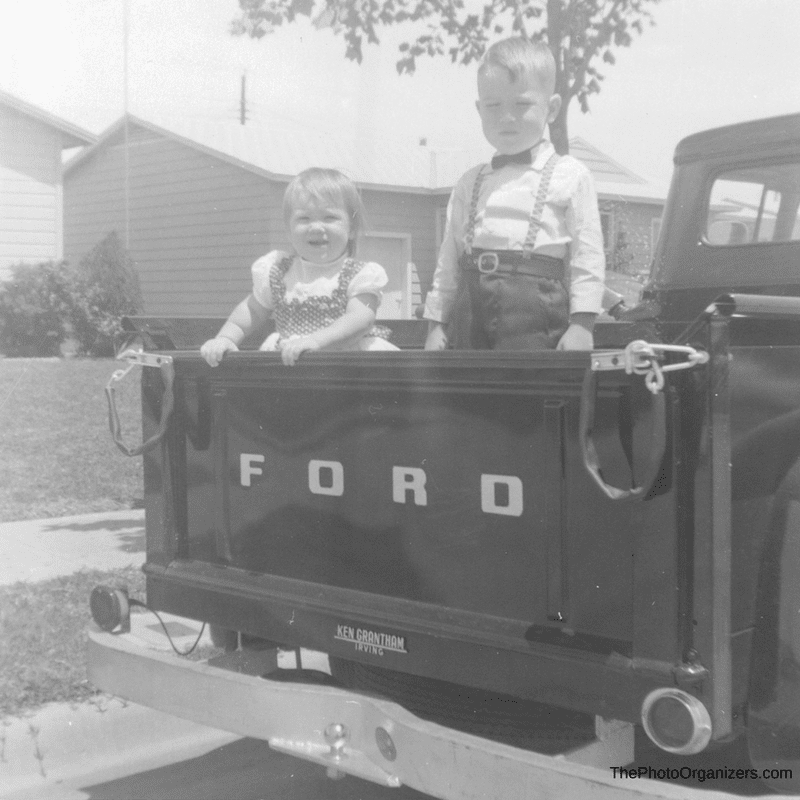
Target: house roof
280,152
603,167
71,135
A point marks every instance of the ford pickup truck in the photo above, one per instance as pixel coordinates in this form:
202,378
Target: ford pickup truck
515,565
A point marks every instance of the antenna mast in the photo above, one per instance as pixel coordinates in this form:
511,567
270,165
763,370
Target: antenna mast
126,127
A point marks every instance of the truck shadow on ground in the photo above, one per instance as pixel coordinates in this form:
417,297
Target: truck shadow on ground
249,770
244,770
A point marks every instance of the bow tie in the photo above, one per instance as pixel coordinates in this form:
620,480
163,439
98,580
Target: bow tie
525,157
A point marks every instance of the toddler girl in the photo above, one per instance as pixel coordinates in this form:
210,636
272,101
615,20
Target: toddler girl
320,296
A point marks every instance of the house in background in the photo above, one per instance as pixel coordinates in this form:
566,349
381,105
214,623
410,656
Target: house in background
630,211
197,202
31,198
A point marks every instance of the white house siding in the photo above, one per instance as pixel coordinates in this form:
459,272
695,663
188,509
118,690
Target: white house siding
30,191
196,223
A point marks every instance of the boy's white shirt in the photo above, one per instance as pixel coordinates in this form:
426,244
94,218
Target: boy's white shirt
571,217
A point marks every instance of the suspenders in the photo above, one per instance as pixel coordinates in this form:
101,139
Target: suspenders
535,220
501,302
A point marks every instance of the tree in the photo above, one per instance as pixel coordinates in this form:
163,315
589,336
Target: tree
106,288
580,33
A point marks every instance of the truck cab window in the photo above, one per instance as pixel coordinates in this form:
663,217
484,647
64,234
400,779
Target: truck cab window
754,205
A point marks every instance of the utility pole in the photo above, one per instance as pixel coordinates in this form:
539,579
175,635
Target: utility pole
243,103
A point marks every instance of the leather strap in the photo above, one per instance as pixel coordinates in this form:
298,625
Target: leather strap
513,261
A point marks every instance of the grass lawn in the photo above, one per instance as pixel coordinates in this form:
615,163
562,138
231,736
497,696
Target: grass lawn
58,457
42,628
43,632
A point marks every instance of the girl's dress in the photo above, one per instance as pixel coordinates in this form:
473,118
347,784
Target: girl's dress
306,297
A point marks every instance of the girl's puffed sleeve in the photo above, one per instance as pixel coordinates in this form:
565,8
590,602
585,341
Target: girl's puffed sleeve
370,279
261,270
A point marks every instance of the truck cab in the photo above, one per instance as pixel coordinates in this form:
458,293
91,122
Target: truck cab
731,221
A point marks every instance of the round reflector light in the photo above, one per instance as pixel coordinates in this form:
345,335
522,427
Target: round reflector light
676,721
110,607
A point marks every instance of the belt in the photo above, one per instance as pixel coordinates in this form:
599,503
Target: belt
513,261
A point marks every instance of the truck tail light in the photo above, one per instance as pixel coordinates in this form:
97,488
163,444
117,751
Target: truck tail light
111,608
676,721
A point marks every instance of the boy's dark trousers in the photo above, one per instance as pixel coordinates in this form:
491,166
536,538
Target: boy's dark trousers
509,301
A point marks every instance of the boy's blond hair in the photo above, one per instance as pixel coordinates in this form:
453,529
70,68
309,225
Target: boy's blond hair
520,57
331,186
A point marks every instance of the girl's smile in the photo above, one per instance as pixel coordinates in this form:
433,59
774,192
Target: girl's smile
319,230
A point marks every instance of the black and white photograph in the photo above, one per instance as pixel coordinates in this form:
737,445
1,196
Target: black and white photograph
396,400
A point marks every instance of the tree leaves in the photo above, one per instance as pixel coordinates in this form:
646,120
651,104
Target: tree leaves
579,32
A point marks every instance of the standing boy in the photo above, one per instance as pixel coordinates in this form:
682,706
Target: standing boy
521,266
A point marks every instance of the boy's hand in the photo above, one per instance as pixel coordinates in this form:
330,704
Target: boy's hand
214,349
291,349
437,338
579,335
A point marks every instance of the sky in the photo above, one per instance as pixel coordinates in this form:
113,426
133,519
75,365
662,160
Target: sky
705,63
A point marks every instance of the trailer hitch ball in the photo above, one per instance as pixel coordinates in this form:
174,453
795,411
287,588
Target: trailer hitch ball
676,721
111,608
336,735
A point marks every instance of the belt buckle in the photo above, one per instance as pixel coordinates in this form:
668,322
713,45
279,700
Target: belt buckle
493,260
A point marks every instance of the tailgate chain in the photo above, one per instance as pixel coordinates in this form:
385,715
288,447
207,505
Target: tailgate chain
641,358
142,359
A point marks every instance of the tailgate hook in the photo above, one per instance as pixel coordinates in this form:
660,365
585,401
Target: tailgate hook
642,358
134,358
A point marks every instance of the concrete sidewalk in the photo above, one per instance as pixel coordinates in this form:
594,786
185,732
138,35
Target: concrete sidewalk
63,747
35,550
64,740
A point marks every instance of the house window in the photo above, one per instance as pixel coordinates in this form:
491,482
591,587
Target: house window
393,252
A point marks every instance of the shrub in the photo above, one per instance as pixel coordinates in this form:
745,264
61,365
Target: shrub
45,304
37,308
106,288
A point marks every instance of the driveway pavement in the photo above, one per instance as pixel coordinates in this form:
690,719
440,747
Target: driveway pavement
35,550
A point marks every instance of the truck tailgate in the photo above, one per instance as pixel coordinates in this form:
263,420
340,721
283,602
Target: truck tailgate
403,510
